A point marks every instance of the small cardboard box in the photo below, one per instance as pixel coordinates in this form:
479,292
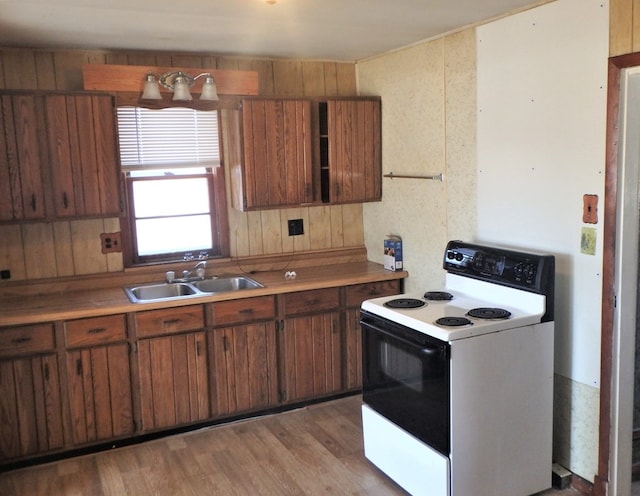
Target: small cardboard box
393,253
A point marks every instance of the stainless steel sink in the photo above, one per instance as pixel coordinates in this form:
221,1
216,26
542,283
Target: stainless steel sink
179,290
225,284
162,291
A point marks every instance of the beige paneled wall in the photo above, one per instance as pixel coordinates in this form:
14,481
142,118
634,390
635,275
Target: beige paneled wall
624,27
35,251
428,128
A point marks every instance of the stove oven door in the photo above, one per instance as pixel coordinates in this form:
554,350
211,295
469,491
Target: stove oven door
406,379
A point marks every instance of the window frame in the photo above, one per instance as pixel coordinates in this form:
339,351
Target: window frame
217,205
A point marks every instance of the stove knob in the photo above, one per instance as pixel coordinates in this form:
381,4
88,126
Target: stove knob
531,271
518,269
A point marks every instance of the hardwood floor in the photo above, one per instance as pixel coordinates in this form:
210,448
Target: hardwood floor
315,450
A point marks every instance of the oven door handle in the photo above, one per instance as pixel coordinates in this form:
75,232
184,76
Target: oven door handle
429,351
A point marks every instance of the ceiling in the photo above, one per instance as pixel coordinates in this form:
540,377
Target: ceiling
343,30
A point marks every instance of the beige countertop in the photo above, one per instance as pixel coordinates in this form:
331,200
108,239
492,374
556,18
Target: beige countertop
18,310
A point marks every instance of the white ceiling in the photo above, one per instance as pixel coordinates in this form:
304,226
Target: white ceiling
345,30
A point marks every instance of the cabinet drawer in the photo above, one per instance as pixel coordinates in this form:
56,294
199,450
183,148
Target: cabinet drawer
243,311
358,293
311,301
27,339
88,332
169,321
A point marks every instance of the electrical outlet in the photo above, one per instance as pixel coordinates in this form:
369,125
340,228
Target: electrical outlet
110,242
296,227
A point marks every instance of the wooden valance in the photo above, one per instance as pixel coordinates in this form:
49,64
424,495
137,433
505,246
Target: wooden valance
130,78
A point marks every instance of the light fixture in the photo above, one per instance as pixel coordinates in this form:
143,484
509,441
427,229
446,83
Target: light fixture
179,82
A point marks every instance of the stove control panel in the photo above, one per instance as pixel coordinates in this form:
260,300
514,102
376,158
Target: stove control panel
521,270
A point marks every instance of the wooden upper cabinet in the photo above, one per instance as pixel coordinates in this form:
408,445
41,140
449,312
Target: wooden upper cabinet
21,159
81,135
292,152
58,156
277,154
354,142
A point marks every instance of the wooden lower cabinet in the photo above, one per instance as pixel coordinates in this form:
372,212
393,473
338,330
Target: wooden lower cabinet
31,395
352,349
98,379
99,383
31,418
244,368
174,384
312,356
77,382
173,387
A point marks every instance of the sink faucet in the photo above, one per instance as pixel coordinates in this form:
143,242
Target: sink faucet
187,275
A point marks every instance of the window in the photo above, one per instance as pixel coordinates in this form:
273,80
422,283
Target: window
175,184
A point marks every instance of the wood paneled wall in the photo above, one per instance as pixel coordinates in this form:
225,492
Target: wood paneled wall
36,251
624,27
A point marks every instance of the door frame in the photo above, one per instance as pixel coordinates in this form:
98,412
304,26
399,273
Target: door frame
609,365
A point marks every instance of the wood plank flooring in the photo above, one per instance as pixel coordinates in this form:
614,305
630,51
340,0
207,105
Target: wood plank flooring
314,450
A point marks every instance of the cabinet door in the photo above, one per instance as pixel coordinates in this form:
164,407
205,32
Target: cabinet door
312,360
21,186
99,384
83,155
277,153
352,350
30,406
174,386
244,370
355,150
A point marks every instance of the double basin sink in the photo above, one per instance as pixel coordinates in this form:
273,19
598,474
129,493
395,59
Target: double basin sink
180,290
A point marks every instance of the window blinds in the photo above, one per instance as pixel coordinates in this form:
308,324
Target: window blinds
167,138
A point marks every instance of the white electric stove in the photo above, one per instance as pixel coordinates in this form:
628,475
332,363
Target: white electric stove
458,381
